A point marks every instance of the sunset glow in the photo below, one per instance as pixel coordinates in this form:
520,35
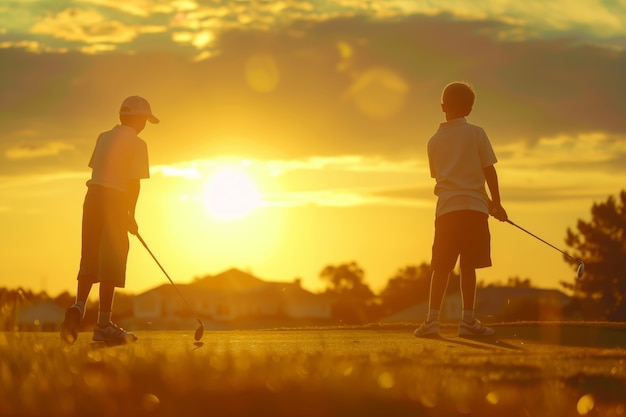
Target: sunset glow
293,134
230,193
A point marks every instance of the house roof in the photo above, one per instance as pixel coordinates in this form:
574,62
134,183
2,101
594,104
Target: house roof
233,282
491,300
230,280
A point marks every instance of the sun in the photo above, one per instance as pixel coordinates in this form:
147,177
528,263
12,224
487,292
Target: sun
230,193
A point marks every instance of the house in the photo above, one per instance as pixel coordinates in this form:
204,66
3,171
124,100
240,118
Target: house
450,311
231,297
520,303
495,304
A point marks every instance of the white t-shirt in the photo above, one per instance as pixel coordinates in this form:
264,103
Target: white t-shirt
457,154
120,155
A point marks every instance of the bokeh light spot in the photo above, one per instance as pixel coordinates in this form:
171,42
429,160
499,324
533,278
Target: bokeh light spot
386,380
379,93
262,73
585,404
493,398
150,402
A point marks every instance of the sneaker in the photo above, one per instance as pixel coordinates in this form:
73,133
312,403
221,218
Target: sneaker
427,329
112,334
476,328
69,328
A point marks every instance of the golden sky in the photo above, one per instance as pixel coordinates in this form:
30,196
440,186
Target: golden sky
293,133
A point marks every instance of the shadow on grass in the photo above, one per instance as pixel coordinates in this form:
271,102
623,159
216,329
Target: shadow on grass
479,342
575,334
581,334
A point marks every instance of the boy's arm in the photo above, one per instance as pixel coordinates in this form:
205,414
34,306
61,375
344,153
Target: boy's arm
495,207
132,195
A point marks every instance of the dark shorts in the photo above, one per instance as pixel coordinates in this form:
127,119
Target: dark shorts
463,233
104,248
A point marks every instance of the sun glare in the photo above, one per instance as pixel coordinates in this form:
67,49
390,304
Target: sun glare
230,193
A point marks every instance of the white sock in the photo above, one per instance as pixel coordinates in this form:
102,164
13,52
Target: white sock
433,315
81,306
104,318
468,316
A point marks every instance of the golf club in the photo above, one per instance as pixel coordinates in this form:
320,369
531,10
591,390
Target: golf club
581,265
200,330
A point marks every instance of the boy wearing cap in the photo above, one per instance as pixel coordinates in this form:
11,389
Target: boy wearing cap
119,161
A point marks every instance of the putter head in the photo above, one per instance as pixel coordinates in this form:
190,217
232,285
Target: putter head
580,270
199,332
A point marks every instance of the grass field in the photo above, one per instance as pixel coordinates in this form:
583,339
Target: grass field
527,370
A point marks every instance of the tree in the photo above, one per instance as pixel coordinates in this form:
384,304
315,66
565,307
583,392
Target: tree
354,301
345,278
515,282
518,282
410,286
601,244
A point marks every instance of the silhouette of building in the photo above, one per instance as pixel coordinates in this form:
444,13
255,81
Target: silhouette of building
232,298
496,304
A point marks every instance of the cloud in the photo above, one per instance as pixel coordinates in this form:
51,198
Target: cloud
353,180
322,198
340,181
88,26
593,17
598,150
98,21
36,180
324,87
139,8
36,150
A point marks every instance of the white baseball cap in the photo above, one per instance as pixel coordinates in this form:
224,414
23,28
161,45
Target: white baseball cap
138,105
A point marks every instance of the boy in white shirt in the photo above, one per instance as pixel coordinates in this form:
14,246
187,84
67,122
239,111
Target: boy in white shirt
461,160
118,162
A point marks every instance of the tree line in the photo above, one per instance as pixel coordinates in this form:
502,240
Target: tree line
601,243
599,294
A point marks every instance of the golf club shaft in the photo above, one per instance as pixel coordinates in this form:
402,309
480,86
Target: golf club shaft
168,277
547,243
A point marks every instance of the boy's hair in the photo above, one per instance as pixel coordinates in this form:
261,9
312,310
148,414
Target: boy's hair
458,97
129,119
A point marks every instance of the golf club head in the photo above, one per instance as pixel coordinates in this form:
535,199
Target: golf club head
581,270
199,332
